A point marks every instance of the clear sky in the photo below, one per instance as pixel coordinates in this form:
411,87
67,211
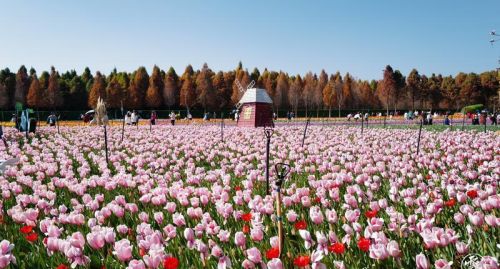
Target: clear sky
360,37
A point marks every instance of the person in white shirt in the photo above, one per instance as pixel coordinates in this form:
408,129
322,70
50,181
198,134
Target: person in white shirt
128,119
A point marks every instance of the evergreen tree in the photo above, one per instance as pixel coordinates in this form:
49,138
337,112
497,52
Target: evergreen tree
77,93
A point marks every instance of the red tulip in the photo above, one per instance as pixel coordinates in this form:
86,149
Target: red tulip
302,261
472,194
62,266
170,263
142,252
337,248
301,225
364,244
370,214
246,229
450,202
272,253
237,188
32,237
26,229
246,217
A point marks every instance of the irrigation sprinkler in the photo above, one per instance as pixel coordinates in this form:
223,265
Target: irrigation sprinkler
268,131
282,171
419,134
305,131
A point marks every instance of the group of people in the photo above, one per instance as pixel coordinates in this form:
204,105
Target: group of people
358,116
482,117
290,115
132,118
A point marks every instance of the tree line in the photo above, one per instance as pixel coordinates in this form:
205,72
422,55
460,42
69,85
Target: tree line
209,90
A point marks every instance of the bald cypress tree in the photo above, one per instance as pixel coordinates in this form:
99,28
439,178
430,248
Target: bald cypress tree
318,91
281,93
294,96
171,89
54,95
97,90
205,93
22,85
34,92
154,97
329,94
138,87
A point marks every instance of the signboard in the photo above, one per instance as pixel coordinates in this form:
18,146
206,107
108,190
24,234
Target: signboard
247,114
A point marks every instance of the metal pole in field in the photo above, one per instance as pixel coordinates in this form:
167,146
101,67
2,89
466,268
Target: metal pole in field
269,133
106,143
463,121
362,125
123,121
222,126
485,120
305,131
3,138
419,134
57,123
282,171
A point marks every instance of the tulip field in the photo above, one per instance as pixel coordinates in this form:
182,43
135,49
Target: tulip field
181,197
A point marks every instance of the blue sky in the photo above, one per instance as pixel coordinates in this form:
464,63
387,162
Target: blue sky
359,37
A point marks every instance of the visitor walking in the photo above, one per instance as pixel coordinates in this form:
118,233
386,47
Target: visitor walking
128,118
51,120
153,117
172,118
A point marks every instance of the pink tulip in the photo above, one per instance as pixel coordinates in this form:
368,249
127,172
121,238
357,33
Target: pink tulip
123,250
443,264
422,262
